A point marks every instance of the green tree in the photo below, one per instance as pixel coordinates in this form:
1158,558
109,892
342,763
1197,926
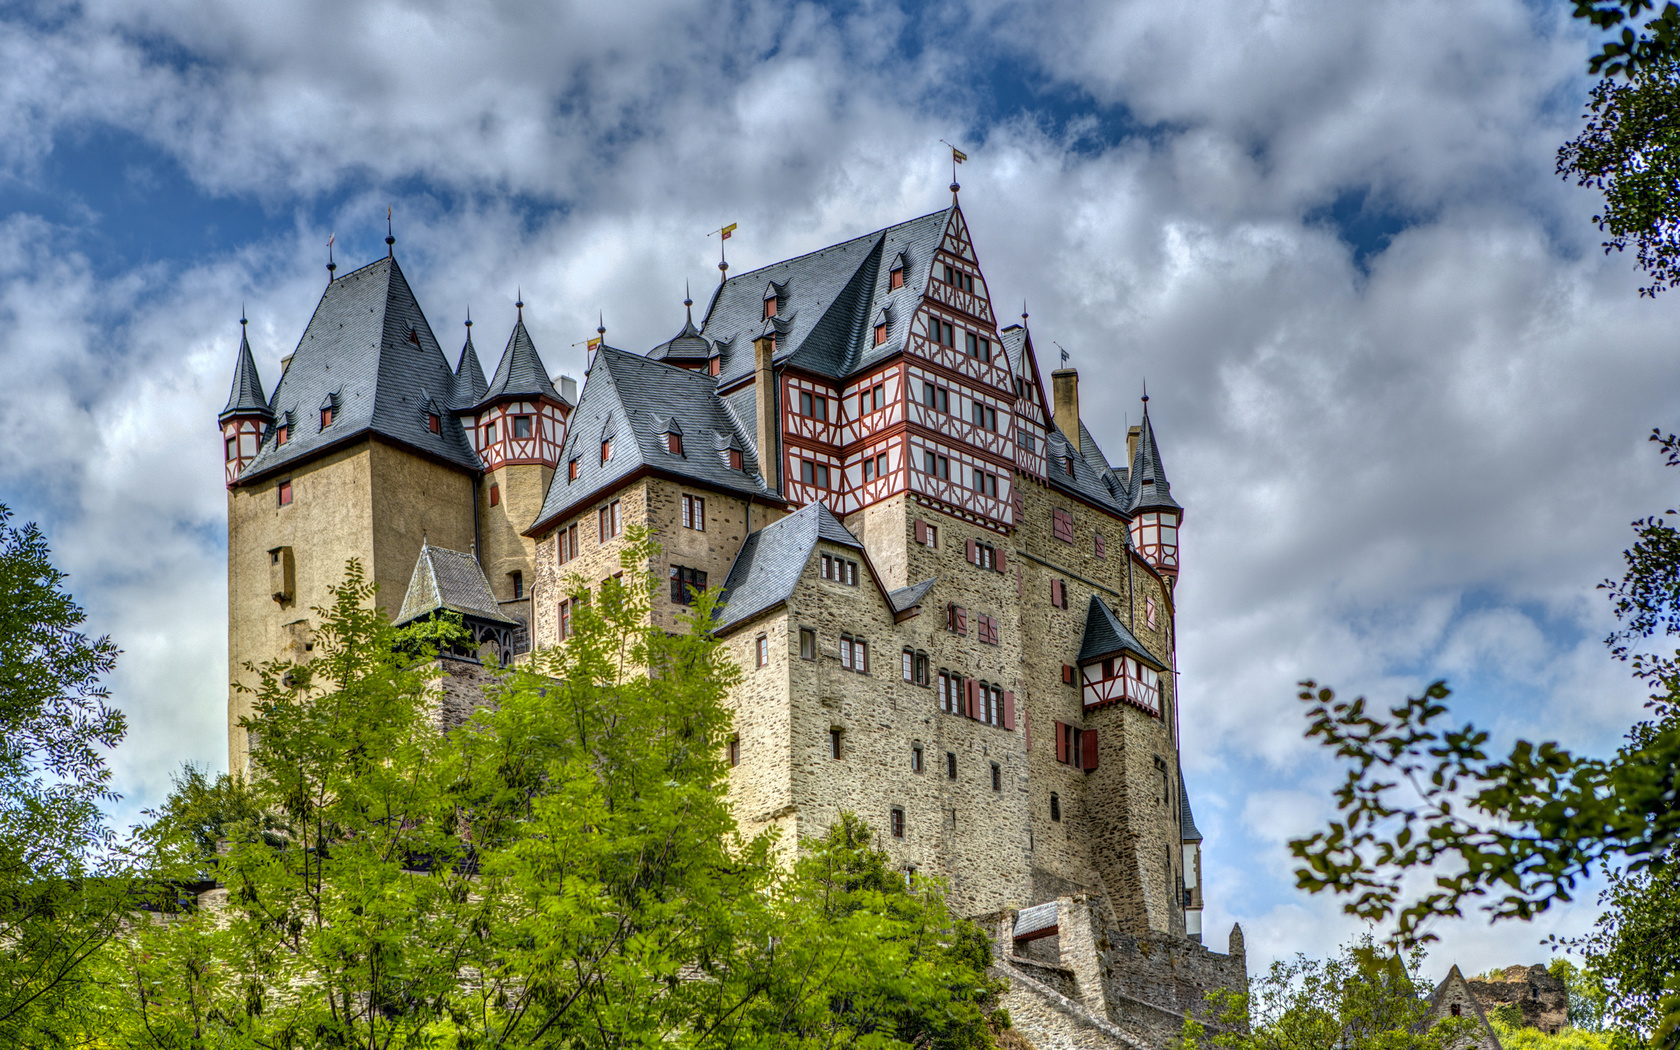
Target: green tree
63,897
1363,998
1588,996
1520,831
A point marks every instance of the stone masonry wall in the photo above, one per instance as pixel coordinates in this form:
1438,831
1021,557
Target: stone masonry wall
597,560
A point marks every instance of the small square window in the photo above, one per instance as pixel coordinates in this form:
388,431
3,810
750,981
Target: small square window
285,493
807,644
521,426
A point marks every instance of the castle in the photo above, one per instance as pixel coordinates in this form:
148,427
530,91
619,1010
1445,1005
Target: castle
954,614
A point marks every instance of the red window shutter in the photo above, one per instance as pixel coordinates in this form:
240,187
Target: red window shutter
921,531
1008,709
962,621
1061,742
1088,744
1067,674
973,552
1001,561
973,689
1056,593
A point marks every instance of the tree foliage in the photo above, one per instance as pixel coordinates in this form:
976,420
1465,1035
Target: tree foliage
61,899
1513,834
563,870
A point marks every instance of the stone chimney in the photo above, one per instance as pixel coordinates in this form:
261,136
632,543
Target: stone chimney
769,411
1131,444
1065,382
568,389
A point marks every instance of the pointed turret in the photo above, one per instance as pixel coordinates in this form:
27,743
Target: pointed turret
1155,514
521,374
247,413
520,417
470,386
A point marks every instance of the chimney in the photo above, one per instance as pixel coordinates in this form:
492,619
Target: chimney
1065,381
568,389
769,413
1131,444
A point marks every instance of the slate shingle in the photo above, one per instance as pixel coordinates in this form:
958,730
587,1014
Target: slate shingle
1106,636
246,397
451,580
1148,481
770,563
520,374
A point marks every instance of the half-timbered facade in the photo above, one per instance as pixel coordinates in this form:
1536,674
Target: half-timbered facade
955,616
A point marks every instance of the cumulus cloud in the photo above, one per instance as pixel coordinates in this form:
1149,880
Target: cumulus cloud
1400,392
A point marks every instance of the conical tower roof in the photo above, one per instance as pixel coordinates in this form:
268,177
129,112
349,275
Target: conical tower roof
1148,480
521,373
246,398
469,378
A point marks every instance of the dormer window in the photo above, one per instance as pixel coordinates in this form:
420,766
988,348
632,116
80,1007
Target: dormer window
735,460
1067,465
714,366
326,417
769,306
673,442
572,470
282,434
606,449
434,422
880,334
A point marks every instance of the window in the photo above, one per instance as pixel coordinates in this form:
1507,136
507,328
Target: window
609,525
947,698
686,584
840,570
518,581
956,618
694,513
1058,594
1100,547
921,669
769,306
915,758
495,494
1076,747
1067,465
735,750
572,469
807,644
854,654
982,415
951,769
606,448
762,645
282,434
936,465
812,473
567,541
936,397
521,426
673,444
1457,1010
490,432
434,422
942,333
997,777
1061,525
979,346
895,279
897,823
813,405
1055,807
987,630
1149,610
927,534
567,608
985,483
909,666
735,459
834,743
285,493
880,334
1029,443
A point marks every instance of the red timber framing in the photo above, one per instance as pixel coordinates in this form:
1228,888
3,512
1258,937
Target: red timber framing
240,440
501,439
1121,679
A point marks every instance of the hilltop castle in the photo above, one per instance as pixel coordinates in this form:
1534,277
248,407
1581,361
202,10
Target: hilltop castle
954,614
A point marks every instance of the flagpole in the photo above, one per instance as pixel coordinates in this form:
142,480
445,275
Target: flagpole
723,256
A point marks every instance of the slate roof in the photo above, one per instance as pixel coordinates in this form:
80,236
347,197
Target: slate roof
369,348
635,399
445,579
772,560
688,344
469,387
1106,636
828,303
909,597
1092,479
521,374
246,397
1149,489
1188,832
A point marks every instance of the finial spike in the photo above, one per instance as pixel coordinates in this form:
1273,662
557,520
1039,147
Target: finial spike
469,318
242,321
1023,310
519,302
331,266
601,326
1146,392
390,239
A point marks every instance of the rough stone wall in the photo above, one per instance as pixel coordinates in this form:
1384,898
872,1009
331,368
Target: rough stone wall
711,550
1455,993
503,547
1541,999
1165,971
461,690
596,560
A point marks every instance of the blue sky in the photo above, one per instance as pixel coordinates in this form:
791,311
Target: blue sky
1402,393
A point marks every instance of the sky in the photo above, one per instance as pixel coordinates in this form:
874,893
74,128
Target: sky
1400,389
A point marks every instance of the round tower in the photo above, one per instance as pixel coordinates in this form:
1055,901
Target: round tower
247,414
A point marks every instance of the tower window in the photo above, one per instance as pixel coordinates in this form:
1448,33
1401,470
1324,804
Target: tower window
997,777
950,765
735,750
1055,807
916,758
686,584
521,426
490,432
1101,548
434,422
761,645
1061,525
567,541
694,513
232,447
495,495
285,493
608,524
897,823
1149,611
834,743
807,644
518,579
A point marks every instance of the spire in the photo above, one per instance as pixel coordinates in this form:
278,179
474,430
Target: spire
688,304
246,398
601,327
521,373
390,238
519,304
469,385
331,266
1148,480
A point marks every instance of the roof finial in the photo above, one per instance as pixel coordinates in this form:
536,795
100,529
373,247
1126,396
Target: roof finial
957,157
601,327
242,321
390,239
519,302
1023,311
688,303
469,319
723,256
1146,394
331,266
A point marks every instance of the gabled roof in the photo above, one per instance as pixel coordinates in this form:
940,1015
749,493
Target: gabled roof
1188,832
368,341
829,300
1092,478
469,385
246,397
521,374
771,561
636,399
452,581
1149,489
1106,636
1455,989
909,597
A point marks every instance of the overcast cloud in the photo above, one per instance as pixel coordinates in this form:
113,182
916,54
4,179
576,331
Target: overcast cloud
1400,390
